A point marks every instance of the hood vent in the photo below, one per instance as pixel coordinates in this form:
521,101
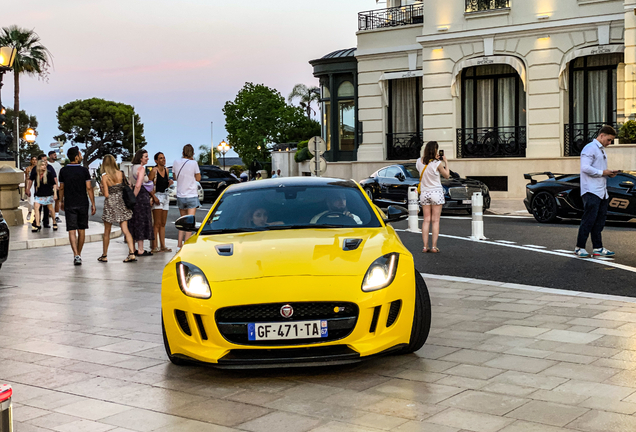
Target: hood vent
351,244
225,250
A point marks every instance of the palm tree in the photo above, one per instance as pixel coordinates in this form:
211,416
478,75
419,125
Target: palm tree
32,58
307,95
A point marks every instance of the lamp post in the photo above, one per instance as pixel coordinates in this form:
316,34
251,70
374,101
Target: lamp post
7,56
223,148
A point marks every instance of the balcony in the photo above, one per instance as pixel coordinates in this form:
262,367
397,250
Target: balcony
486,5
391,17
499,142
403,146
578,135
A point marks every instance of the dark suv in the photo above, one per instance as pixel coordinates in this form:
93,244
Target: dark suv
214,180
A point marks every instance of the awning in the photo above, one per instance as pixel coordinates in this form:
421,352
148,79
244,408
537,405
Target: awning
515,62
584,52
386,76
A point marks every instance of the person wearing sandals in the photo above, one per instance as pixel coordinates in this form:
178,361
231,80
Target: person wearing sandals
160,211
430,166
187,174
140,225
45,193
115,211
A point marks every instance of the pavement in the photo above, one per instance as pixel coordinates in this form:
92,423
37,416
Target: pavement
513,207
82,348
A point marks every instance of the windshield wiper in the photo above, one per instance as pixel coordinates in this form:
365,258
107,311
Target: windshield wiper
230,230
301,226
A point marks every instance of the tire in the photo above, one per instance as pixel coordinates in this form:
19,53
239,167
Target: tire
421,316
544,207
174,360
369,193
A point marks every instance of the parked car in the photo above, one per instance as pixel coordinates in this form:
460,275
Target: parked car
292,271
390,185
559,196
4,240
172,192
214,181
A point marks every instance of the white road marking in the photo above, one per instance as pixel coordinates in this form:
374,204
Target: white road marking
531,288
564,251
505,241
544,251
535,246
605,258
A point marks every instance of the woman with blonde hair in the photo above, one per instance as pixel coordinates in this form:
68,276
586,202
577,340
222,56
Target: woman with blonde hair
45,193
431,191
115,210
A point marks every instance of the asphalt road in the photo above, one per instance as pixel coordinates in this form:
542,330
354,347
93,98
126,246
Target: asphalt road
518,250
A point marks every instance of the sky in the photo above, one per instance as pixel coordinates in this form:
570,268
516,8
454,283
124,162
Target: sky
176,61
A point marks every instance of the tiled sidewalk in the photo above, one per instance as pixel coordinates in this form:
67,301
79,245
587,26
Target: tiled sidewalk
83,352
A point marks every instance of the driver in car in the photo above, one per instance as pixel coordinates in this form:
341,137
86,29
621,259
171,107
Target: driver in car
337,205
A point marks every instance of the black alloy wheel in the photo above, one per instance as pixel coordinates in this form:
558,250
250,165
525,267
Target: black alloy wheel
175,360
369,193
421,317
544,207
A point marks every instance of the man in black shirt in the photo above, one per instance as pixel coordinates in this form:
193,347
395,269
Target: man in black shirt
75,184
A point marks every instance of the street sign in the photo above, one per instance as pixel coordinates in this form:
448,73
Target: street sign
318,166
317,146
57,144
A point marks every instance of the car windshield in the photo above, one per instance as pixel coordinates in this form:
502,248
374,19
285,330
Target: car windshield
290,207
412,171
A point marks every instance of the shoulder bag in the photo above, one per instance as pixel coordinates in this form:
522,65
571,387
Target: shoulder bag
127,193
419,185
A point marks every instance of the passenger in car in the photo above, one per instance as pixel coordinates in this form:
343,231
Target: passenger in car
258,217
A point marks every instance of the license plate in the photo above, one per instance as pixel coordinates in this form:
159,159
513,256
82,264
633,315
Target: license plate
467,201
287,330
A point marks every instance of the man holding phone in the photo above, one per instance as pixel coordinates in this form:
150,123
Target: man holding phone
594,175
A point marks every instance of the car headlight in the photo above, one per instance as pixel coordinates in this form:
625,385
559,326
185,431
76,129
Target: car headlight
381,273
192,281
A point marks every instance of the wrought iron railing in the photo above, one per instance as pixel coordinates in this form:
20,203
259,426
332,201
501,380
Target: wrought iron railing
484,5
391,17
491,142
578,135
404,146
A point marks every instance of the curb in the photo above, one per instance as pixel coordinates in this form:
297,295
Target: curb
60,241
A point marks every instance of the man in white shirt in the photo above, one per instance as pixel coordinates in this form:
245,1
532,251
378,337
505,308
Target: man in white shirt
187,174
594,175
57,167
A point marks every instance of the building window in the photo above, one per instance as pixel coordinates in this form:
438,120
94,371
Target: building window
346,117
404,138
326,122
484,5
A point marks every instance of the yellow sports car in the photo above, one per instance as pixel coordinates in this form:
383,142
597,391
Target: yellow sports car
292,271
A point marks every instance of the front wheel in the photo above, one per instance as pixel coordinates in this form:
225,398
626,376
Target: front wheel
175,360
369,193
544,207
421,316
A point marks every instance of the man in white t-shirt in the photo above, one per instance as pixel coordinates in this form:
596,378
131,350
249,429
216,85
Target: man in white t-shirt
187,174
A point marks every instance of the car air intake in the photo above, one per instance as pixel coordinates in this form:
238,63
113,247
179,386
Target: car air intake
199,321
182,319
394,311
374,321
351,244
225,250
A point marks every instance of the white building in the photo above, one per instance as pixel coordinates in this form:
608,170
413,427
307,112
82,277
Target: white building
505,86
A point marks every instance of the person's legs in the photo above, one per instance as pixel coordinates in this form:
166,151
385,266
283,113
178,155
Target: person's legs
81,236
591,204
106,240
57,209
182,212
435,216
162,229
36,215
45,217
140,247
157,216
426,213
128,237
190,211
72,236
50,209
599,224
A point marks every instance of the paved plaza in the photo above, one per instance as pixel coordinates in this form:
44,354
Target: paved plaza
82,349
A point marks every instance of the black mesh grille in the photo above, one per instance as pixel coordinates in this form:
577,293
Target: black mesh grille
394,311
183,321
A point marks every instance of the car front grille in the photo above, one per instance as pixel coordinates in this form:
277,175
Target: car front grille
462,193
341,320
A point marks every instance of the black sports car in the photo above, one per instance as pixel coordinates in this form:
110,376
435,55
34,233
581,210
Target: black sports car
390,185
560,196
214,180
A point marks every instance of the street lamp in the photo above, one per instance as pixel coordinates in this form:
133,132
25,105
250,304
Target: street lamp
29,135
223,148
7,56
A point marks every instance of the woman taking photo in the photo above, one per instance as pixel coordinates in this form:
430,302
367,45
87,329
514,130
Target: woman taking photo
115,211
140,225
160,210
430,166
45,193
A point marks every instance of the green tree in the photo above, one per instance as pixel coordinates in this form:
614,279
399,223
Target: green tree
103,127
203,158
306,96
27,149
32,58
298,127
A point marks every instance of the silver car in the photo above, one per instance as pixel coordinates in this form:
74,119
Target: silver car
172,192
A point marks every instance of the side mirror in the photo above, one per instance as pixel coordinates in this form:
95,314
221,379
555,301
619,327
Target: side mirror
186,223
401,177
454,175
627,185
396,214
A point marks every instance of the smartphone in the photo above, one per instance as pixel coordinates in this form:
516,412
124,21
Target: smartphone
441,153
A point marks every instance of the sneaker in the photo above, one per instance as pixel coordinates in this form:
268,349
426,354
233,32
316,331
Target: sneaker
77,260
581,253
602,252
57,219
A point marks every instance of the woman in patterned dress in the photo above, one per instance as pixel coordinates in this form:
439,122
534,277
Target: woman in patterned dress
115,211
141,222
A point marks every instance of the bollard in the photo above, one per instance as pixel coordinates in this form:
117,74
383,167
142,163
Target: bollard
478,217
6,416
414,208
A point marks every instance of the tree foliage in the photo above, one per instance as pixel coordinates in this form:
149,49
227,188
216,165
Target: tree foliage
203,158
259,115
103,127
306,96
26,121
627,133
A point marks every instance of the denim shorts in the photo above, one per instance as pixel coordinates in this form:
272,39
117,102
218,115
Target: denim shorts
188,203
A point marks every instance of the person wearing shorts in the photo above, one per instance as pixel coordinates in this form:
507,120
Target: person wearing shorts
187,174
430,166
75,189
160,211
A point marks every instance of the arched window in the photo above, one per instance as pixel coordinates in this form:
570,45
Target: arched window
346,89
